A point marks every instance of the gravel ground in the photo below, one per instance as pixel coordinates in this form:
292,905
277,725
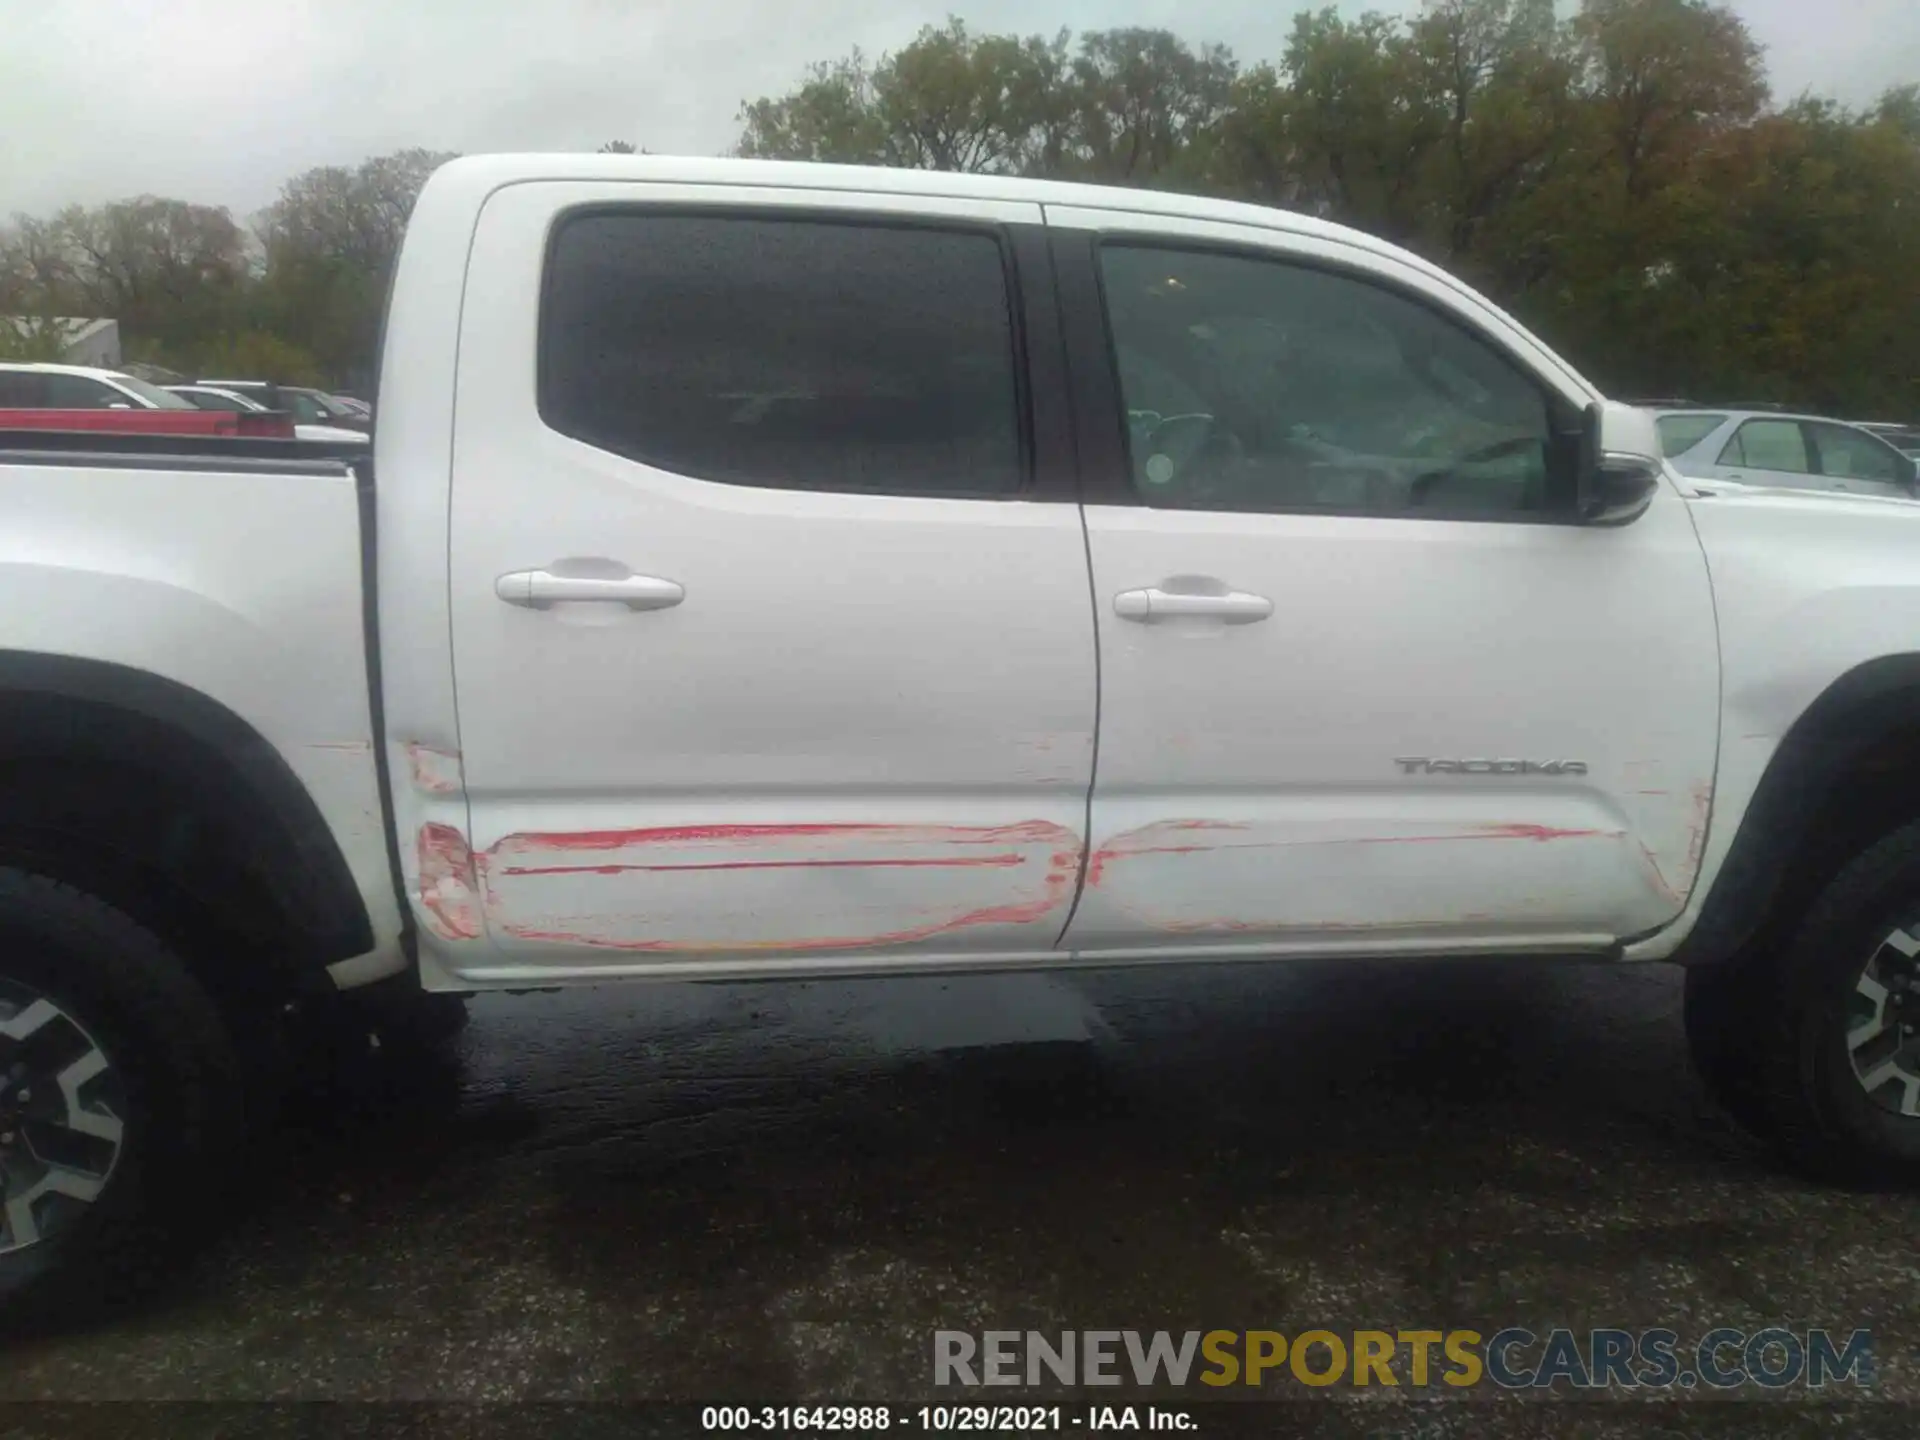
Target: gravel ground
778,1192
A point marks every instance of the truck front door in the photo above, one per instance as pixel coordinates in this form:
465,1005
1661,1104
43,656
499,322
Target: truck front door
1364,684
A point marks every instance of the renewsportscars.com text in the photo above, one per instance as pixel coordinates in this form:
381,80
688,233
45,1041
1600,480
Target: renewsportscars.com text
1514,1358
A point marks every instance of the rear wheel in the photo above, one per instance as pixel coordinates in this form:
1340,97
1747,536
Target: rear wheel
1815,1044
119,1102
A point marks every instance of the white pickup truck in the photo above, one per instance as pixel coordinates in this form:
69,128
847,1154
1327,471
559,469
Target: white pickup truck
772,570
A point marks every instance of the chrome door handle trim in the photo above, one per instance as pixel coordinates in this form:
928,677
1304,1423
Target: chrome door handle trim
538,589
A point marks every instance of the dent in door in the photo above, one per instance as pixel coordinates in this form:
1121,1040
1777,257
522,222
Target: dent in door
733,888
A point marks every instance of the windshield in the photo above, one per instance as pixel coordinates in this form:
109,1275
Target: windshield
156,397
321,405
221,400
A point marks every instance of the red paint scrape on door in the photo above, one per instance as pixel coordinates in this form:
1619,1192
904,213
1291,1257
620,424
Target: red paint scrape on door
1165,837
1203,837
447,883
434,771
737,888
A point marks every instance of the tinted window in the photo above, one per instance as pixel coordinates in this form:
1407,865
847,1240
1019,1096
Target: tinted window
156,397
1252,384
77,392
1851,454
796,353
1769,445
306,410
22,390
1679,433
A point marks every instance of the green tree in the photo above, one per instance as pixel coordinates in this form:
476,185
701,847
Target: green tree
1497,80
330,241
1665,77
168,271
1147,106
949,100
31,337
1343,127
1126,105
831,117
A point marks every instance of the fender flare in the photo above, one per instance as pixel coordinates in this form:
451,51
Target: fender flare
159,725
1859,711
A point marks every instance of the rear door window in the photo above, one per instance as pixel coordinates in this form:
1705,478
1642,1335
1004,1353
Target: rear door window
1680,433
22,390
1769,445
799,353
79,392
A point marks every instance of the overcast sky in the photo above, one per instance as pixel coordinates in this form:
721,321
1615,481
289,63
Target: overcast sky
218,101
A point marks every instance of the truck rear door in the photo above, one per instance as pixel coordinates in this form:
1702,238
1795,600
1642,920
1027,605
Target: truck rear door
769,596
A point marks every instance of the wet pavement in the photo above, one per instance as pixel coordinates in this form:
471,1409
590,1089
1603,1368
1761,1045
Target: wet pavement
779,1192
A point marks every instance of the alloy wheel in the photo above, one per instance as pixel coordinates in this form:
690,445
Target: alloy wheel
61,1118
1883,1023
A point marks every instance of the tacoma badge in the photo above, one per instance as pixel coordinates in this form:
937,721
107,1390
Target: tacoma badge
1419,765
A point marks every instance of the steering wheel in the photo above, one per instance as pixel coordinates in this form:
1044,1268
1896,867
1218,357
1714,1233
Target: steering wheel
1176,444
1423,484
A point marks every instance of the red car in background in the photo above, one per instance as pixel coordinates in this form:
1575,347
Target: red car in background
73,397
255,425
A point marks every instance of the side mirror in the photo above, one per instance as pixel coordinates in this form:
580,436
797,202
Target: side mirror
1909,474
1619,465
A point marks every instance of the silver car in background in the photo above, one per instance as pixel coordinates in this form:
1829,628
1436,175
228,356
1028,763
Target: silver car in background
1781,450
1904,438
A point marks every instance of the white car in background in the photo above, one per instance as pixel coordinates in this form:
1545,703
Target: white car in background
214,397
1782,451
31,385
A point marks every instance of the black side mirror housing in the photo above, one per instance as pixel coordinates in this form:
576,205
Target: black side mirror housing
1613,487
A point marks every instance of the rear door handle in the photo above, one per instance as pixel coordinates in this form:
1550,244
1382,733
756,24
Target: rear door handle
1235,607
541,588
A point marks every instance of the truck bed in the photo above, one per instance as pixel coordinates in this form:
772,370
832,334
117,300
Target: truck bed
233,568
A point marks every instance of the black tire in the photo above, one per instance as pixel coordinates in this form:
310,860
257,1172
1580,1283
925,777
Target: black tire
1721,1023
1798,1081
406,1018
175,1077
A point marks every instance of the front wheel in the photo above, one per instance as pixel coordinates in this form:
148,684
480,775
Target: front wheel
119,1102
1816,1044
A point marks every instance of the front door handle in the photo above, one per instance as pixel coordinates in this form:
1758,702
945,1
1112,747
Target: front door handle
1235,607
541,588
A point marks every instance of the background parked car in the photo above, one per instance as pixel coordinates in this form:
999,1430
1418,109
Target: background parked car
214,397
76,397
33,386
1904,438
1794,452
309,406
